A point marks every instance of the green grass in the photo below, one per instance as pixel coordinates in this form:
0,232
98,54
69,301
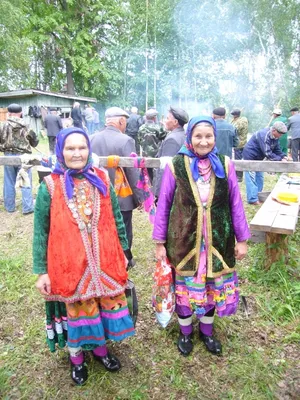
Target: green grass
261,350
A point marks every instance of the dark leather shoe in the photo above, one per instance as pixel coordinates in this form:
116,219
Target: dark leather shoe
211,343
131,264
79,373
110,362
185,344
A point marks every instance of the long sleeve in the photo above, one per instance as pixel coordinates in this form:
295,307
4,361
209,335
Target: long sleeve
118,218
132,174
235,139
165,201
41,227
168,149
239,221
273,153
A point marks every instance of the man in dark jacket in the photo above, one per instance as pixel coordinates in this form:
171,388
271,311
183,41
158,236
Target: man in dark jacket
76,115
133,124
176,119
16,139
263,144
113,141
53,125
227,137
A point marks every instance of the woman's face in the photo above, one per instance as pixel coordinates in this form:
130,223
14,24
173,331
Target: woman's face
76,151
203,139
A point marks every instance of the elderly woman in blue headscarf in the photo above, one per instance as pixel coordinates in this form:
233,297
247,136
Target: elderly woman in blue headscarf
79,250
200,226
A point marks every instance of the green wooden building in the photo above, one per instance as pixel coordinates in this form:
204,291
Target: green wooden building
41,101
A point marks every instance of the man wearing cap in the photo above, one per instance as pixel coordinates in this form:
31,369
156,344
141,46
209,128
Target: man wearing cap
176,119
226,137
53,125
112,140
241,126
16,139
294,130
283,140
133,125
151,134
262,145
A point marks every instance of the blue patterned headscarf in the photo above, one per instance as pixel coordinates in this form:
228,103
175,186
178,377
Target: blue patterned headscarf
62,169
188,150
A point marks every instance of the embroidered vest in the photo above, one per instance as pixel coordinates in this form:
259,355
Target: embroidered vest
186,223
82,266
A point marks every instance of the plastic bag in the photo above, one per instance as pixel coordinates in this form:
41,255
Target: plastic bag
132,301
163,295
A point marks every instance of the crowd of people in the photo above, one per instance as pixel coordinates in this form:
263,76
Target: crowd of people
200,223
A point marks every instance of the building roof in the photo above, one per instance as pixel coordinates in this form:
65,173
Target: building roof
32,92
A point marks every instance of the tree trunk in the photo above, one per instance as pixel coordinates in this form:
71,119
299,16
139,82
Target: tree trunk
70,81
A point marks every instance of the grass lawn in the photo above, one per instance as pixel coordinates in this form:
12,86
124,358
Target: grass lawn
261,348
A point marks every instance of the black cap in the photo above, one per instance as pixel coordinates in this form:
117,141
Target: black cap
294,109
180,114
14,108
220,111
53,109
236,111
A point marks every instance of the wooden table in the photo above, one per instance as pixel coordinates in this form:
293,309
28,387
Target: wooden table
277,221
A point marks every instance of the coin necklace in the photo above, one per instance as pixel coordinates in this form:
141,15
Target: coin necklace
81,205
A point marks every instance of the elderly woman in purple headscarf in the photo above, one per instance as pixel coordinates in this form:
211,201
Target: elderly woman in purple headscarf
200,225
79,250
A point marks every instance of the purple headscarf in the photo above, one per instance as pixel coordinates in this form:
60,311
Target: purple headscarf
188,150
62,169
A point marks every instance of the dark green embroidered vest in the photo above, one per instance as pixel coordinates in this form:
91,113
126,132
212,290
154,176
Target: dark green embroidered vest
186,222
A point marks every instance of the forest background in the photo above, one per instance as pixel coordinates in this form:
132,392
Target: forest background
196,54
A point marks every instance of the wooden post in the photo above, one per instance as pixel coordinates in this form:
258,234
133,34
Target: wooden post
276,248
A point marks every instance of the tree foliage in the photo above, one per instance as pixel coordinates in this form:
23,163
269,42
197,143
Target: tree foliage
198,54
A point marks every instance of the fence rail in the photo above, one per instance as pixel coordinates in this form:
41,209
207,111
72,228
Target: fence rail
240,165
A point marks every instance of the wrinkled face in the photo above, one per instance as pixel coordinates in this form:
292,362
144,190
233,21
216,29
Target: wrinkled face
203,139
171,122
76,151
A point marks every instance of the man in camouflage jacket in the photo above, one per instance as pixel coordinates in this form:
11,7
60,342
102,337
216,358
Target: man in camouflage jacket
241,125
16,139
150,136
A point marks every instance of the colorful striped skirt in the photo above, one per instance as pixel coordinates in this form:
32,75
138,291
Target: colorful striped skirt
92,322
199,294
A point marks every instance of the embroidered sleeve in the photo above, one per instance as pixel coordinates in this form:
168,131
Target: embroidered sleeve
41,227
118,218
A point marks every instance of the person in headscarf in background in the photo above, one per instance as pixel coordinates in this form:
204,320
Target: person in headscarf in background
200,226
79,250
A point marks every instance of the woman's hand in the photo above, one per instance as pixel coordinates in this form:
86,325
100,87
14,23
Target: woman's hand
240,250
160,252
43,284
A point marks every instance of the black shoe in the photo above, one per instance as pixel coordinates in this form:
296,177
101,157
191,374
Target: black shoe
131,264
212,344
79,373
185,344
110,362
28,212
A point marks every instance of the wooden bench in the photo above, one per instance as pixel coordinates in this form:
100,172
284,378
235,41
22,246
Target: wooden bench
277,221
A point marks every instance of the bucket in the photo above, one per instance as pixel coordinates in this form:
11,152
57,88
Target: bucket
262,196
42,172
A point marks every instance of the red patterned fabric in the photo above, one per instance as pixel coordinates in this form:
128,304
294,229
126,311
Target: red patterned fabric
83,265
